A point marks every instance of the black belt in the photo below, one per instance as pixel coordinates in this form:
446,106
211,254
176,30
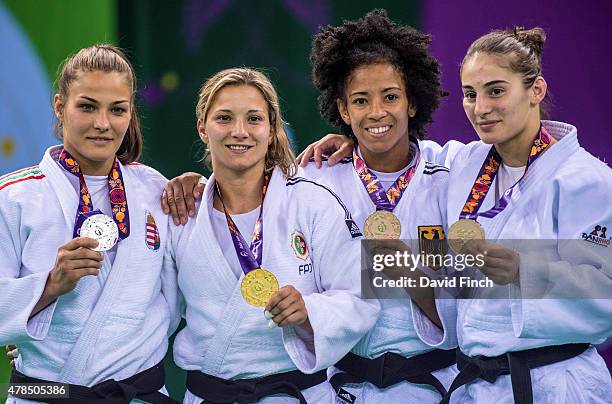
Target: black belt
517,364
143,386
217,390
392,368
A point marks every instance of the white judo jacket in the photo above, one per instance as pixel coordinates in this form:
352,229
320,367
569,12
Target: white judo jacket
228,338
113,325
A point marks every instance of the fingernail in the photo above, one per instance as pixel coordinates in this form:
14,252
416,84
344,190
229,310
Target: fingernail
191,213
268,315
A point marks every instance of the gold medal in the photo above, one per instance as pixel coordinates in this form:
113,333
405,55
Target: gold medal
462,231
258,286
382,225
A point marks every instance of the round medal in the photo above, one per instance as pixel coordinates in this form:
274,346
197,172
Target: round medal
101,228
382,225
258,286
462,231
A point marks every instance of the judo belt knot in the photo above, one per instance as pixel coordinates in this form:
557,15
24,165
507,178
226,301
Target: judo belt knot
218,390
490,368
111,389
391,368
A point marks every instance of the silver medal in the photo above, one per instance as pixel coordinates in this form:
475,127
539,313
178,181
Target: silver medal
101,228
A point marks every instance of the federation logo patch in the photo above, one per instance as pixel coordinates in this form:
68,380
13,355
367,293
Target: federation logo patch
151,233
432,241
598,236
298,245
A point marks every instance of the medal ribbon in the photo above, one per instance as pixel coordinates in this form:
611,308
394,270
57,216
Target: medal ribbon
116,193
487,174
381,199
248,256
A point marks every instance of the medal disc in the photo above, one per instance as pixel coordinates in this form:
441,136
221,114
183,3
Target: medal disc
382,225
258,286
462,231
101,228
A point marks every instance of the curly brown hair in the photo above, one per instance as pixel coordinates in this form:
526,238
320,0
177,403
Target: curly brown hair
374,38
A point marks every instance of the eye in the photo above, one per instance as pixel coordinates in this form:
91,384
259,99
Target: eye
86,107
497,91
391,97
359,101
223,118
469,95
118,110
255,119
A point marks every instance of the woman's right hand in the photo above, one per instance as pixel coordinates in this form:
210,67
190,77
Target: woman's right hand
335,146
180,195
74,260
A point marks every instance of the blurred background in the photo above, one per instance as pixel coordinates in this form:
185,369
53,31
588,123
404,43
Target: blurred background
176,45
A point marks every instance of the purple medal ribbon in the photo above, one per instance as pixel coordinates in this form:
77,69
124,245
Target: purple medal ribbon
383,200
487,174
248,256
116,193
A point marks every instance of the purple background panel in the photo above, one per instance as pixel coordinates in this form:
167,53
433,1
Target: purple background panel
576,60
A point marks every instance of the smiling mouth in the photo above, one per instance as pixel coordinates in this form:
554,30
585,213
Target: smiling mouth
238,147
379,130
99,138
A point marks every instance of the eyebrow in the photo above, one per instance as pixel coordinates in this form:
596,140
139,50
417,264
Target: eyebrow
490,83
96,101
229,111
365,92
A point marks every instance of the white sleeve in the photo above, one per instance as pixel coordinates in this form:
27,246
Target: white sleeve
442,155
339,317
577,278
169,281
19,294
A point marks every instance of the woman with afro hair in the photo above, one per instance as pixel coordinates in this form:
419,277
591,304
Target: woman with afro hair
380,85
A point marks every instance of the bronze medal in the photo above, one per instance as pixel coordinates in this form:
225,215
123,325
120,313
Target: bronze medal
382,225
258,286
462,231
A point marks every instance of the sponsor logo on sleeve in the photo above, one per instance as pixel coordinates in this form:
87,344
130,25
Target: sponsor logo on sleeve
598,236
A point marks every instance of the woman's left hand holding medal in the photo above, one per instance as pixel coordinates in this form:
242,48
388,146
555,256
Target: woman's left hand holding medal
501,264
287,308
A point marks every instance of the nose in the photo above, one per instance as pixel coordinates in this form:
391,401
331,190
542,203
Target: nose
239,129
377,111
101,123
482,106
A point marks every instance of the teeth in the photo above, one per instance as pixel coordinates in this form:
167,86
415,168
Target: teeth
237,147
380,129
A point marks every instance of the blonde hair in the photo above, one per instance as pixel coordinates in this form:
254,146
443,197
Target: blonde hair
279,151
104,58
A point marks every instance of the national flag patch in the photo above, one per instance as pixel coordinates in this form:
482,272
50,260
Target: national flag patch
298,245
30,173
152,233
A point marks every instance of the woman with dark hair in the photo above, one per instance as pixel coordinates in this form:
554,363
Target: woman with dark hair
528,178
89,298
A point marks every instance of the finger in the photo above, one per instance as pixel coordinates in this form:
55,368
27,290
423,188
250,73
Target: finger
78,242
343,148
284,304
164,202
82,272
277,297
82,263
280,318
198,190
170,201
179,200
296,318
306,155
10,347
318,152
188,190
84,253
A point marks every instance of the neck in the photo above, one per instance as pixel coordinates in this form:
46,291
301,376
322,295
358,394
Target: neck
390,161
515,152
90,167
241,191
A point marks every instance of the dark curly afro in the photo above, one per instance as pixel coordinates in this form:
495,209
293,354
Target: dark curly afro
337,51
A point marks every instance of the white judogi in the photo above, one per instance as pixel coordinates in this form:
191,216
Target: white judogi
567,192
110,326
422,204
226,337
